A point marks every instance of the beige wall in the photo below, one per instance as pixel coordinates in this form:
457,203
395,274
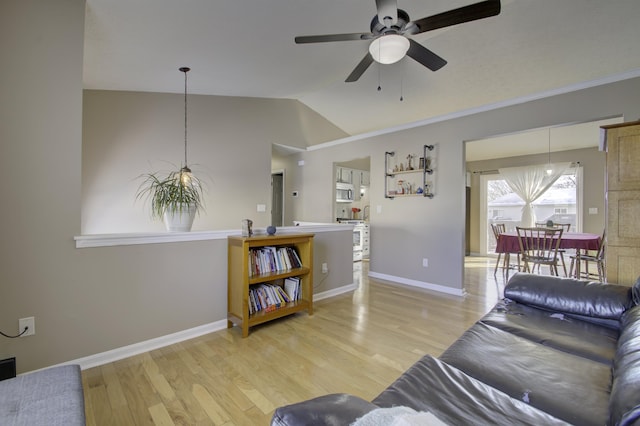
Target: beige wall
592,162
126,134
408,230
87,301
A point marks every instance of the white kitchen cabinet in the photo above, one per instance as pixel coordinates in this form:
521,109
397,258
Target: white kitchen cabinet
344,175
365,178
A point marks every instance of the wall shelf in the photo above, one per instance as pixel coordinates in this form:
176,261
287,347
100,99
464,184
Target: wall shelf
424,169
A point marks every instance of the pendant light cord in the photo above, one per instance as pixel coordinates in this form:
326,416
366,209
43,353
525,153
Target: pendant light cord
185,70
549,159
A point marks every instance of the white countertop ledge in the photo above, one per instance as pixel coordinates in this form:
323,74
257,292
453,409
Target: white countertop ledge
127,239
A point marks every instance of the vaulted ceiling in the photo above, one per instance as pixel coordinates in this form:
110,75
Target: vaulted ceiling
246,48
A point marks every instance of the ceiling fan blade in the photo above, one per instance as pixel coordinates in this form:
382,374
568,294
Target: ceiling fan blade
387,9
331,37
425,56
360,68
475,11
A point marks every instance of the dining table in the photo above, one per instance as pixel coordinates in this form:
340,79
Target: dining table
508,241
580,241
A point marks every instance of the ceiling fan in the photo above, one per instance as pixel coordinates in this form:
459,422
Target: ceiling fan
390,28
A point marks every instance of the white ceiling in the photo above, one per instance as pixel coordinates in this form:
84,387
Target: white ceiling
246,48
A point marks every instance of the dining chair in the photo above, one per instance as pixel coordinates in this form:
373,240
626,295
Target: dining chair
539,246
499,228
598,258
566,227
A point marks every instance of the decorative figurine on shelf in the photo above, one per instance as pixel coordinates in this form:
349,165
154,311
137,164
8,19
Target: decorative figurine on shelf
354,212
401,167
419,190
271,230
247,227
409,159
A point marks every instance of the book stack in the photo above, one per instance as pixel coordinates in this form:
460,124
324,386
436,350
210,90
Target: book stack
292,287
266,260
267,297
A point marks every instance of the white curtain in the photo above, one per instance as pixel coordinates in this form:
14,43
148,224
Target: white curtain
531,182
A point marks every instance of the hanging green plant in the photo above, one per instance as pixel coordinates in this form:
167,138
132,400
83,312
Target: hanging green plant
178,191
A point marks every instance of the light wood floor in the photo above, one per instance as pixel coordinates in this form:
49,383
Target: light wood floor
355,343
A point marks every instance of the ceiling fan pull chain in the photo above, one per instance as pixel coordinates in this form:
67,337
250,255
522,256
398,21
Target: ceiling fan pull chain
379,87
401,81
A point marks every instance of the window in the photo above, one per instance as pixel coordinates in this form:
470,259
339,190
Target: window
561,203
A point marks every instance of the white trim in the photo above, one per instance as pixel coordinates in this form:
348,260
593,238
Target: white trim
109,240
170,339
484,221
147,345
421,284
484,108
580,198
335,292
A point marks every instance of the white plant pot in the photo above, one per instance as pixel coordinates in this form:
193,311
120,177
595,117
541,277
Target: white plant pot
179,220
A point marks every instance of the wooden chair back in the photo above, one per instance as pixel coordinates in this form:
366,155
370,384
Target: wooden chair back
539,246
498,228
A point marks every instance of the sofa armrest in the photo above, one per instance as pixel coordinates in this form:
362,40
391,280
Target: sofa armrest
329,410
570,296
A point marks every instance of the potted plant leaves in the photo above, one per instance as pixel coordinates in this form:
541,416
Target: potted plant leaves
175,197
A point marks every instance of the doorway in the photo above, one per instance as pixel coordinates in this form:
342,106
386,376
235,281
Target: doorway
277,198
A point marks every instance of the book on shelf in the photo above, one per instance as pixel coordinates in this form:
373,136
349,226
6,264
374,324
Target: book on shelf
268,259
292,288
267,297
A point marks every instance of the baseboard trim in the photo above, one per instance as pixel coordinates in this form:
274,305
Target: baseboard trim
162,341
421,284
335,292
146,346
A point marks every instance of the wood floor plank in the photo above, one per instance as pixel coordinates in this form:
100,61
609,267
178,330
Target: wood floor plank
357,343
160,415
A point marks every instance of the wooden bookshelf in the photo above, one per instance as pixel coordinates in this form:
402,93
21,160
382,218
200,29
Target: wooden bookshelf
240,278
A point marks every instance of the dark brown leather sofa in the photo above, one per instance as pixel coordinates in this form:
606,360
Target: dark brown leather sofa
553,351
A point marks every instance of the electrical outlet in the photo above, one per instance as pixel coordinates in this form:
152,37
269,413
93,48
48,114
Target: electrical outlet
27,322
425,262
325,268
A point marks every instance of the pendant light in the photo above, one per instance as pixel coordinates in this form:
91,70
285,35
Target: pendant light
185,171
549,168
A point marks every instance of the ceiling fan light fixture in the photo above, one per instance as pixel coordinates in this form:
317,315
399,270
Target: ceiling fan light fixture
389,49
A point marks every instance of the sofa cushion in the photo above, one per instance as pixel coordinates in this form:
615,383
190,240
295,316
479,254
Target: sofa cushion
635,291
50,397
624,405
555,330
568,295
458,399
329,410
568,387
